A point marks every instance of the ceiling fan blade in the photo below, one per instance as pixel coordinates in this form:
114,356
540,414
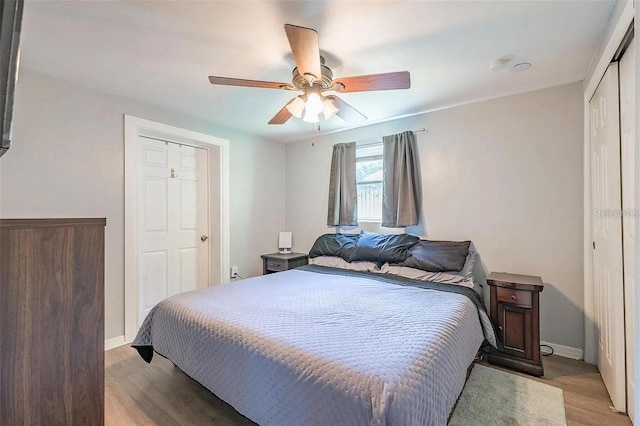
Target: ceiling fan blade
283,115
305,49
386,81
346,111
248,83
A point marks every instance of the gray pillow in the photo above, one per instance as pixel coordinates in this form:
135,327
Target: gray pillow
438,256
382,248
336,245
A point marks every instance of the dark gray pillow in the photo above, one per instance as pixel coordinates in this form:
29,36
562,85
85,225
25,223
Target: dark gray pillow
438,256
337,245
383,248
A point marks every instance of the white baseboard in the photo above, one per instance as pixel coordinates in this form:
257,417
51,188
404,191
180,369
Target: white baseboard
565,351
114,342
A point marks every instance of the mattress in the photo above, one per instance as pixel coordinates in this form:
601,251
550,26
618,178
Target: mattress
322,346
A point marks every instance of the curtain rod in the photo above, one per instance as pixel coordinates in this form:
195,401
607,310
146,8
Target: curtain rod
375,141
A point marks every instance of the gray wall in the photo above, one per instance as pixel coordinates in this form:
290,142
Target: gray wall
68,161
505,173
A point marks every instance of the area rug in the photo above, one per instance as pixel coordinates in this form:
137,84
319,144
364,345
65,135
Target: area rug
495,397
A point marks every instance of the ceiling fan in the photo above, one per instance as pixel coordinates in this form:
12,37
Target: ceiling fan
312,77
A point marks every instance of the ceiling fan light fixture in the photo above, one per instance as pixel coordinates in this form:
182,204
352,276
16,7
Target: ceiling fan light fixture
314,104
329,109
310,117
296,107
312,77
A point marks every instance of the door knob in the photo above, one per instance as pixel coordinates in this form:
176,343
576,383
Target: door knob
204,238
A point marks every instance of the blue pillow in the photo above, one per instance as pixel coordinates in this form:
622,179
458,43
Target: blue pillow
336,245
383,248
438,256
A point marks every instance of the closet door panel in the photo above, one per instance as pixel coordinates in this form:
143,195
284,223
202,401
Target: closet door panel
606,202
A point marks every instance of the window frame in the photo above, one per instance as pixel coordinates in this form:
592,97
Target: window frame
380,157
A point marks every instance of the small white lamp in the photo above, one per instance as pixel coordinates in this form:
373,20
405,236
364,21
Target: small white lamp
284,242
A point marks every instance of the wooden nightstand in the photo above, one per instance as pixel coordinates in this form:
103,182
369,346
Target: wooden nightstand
276,262
515,315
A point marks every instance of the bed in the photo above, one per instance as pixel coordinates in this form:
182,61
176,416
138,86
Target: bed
324,346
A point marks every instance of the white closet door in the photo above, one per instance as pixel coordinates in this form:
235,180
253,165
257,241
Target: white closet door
607,235
627,137
192,225
173,221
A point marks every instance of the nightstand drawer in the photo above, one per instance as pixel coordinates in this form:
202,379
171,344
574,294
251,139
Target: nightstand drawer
278,262
276,265
516,297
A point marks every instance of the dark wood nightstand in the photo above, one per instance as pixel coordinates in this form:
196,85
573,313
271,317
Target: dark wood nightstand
515,314
276,262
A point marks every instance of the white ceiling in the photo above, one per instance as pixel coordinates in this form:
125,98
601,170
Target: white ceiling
161,52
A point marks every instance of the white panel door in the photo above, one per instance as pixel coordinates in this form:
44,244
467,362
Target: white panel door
606,202
627,139
173,221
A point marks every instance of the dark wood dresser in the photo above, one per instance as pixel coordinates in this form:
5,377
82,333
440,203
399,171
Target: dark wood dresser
515,314
52,321
277,262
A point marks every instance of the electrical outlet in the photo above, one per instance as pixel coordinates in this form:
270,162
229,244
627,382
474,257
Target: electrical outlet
234,271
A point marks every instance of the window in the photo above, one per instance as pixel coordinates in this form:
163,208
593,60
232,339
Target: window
369,180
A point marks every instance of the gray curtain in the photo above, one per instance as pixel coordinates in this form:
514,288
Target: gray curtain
402,194
343,210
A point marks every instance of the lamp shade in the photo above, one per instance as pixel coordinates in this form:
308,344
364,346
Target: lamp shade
284,242
314,104
310,117
329,109
296,107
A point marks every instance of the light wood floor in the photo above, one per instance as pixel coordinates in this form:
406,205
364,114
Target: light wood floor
586,400
138,393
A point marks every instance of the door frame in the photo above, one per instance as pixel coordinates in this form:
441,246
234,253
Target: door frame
134,127
628,188
636,396
599,64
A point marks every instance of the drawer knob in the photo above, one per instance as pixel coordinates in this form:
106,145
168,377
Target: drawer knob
513,297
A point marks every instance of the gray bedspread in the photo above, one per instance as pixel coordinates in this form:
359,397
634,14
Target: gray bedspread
315,347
